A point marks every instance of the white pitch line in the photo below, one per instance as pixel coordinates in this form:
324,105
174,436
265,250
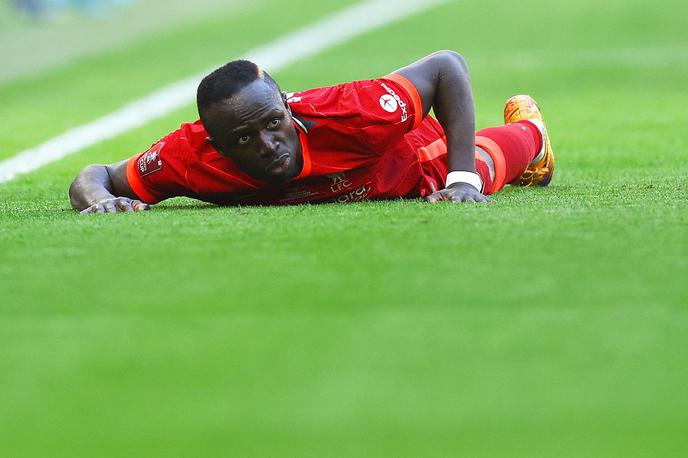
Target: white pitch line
326,33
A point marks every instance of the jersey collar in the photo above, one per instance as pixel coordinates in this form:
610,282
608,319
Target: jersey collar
302,130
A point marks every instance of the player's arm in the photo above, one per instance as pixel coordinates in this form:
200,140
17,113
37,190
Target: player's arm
104,189
444,85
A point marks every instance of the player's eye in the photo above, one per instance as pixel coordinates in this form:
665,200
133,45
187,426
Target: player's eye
274,123
244,139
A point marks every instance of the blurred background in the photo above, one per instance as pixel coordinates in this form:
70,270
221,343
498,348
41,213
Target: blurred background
38,34
53,9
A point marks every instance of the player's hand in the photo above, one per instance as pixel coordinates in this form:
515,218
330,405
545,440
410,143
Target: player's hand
115,205
457,192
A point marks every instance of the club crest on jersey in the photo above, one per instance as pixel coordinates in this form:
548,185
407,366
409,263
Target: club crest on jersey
339,182
149,161
391,102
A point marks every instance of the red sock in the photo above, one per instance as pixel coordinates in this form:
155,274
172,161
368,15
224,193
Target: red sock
519,143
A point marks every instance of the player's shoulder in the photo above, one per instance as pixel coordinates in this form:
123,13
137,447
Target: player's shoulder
328,91
339,100
188,140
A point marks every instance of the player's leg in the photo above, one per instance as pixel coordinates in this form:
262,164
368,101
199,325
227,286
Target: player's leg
518,152
511,147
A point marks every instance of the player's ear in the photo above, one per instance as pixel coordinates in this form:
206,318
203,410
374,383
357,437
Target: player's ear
285,97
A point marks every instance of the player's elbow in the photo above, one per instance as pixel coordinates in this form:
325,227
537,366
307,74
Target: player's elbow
77,190
85,172
75,193
452,60
448,61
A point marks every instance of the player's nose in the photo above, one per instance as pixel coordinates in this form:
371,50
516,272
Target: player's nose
270,145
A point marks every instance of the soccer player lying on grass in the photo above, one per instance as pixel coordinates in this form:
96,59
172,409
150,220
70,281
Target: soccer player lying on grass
373,139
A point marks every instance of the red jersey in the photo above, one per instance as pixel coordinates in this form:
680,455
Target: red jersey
360,140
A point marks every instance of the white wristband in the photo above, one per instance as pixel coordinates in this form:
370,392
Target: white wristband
471,178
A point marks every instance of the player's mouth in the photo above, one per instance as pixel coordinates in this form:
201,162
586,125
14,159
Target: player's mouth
280,165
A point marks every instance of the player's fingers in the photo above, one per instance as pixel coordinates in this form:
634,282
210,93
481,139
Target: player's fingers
88,210
109,207
140,206
445,195
480,198
462,198
99,208
440,196
124,205
432,198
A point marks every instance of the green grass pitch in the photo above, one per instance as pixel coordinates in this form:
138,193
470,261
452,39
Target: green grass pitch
551,322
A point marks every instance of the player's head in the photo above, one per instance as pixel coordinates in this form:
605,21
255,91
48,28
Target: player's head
248,119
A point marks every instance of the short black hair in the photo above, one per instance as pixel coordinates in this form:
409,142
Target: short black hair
226,81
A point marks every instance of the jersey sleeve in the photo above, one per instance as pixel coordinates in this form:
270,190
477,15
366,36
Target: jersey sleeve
389,108
159,173
412,97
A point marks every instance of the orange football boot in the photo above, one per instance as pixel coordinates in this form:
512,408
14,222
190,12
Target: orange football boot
539,172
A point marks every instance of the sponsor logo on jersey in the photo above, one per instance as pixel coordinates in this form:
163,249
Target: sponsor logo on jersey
391,101
150,161
355,195
388,103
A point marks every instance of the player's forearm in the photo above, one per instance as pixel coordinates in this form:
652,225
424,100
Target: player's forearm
444,85
92,185
453,106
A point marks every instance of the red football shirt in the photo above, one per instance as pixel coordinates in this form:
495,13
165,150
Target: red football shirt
360,140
